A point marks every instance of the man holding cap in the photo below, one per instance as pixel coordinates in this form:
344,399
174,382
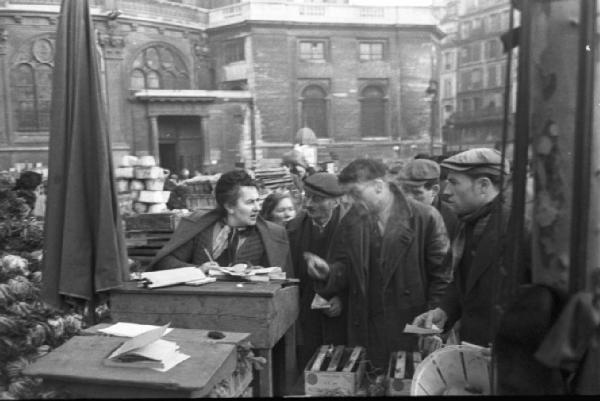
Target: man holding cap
311,233
420,180
474,185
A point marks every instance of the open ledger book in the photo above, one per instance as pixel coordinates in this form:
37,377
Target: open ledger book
184,275
245,273
147,350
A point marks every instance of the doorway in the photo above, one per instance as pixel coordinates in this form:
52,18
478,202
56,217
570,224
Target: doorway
181,143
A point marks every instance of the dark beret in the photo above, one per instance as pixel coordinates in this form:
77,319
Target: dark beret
323,184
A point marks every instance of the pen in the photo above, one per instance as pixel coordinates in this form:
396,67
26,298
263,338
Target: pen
208,254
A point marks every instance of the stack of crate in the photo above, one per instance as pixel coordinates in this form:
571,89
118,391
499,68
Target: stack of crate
146,233
200,195
140,185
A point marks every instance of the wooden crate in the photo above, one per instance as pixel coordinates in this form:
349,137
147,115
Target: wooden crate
326,383
152,222
196,202
400,382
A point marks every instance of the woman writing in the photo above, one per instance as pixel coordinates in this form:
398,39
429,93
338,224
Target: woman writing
231,233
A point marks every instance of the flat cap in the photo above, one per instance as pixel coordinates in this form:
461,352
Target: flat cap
479,160
323,184
419,171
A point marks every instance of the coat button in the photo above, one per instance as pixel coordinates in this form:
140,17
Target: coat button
406,292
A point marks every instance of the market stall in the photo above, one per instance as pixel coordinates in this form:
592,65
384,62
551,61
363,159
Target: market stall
266,310
213,368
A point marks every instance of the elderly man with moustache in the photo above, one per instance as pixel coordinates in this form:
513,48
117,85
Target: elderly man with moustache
389,258
314,231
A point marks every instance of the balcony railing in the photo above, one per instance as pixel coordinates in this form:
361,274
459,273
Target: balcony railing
154,10
273,10
403,13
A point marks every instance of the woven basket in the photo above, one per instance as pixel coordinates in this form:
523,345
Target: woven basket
200,201
453,370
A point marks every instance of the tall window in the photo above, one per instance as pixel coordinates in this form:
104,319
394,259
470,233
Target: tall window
370,51
448,60
476,51
159,67
492,77
312,50
314,110
447,88
32,85
233,50
372,112
492,48
477,78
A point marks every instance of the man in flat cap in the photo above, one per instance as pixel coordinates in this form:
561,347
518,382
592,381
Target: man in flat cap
311,233
390,260
420,180
473,189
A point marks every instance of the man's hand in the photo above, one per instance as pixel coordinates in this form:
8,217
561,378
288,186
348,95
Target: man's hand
335,309
317,267
428,344
435,316
208,265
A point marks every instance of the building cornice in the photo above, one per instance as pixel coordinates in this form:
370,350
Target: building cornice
168,95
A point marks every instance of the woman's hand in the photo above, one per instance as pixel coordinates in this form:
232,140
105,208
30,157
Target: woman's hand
208,265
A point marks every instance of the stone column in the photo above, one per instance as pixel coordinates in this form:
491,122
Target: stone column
154,148
202,74
112,43
205,130
4,90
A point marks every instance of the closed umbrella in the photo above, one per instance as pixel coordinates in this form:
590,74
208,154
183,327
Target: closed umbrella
84,247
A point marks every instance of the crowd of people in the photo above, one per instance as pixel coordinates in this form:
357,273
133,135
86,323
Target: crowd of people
373,249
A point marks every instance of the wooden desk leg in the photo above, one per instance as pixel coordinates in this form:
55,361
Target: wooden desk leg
265,376
291,363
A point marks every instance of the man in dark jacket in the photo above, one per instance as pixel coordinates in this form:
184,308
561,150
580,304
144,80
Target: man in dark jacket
420,180
314,230
390,260
473,193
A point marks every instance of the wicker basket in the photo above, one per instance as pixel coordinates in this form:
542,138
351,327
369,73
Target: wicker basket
453,370
200,202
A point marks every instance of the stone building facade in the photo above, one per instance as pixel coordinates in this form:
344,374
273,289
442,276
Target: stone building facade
205,88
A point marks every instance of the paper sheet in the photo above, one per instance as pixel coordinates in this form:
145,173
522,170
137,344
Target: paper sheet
409,328
163,278
140,341
122,329
319,302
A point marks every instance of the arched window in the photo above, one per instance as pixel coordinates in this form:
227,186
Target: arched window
159,67
314,110
32,85
372,112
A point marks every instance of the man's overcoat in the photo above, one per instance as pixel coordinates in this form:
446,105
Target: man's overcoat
415,244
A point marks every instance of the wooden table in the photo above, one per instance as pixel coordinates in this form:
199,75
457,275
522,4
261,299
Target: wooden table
265,310
76,368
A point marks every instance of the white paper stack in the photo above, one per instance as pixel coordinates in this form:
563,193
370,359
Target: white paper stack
184,275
